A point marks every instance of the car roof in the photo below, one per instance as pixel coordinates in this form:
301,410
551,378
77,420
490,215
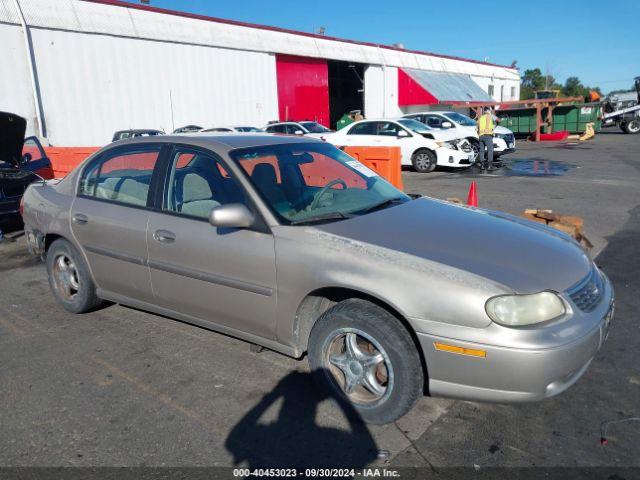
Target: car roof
223,141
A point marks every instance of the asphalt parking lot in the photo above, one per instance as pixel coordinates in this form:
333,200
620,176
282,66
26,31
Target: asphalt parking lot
120,387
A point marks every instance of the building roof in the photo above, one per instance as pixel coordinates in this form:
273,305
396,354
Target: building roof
165,11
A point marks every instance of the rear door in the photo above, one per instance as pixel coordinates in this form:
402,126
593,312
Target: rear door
363,134
221,277
109,218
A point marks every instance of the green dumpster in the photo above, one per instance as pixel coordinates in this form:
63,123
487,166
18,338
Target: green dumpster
572,118
521,121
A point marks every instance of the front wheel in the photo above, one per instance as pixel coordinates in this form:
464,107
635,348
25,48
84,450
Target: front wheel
633,126
424,161
361,353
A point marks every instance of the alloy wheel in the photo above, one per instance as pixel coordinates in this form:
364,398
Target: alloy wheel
359,366
65,277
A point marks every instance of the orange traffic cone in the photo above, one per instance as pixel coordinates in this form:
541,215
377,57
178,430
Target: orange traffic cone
472,198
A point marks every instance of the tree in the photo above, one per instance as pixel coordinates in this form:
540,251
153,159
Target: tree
574,88
533,80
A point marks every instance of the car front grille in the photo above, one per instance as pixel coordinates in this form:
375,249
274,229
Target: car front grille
589,292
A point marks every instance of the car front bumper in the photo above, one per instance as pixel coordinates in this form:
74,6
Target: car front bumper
501,147
507,374
448,157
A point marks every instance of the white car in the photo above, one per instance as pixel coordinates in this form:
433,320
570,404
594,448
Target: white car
420,146
308,128
237,129
504,140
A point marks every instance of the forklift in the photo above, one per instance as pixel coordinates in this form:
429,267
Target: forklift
627,118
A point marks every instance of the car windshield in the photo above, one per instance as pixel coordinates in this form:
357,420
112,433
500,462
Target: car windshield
460,119
414,125
315,127
247,129
313,182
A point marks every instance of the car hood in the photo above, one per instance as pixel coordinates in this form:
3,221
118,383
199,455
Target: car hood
523,256
443,135
12,130
502,130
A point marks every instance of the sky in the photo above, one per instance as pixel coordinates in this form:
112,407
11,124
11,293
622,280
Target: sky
597,41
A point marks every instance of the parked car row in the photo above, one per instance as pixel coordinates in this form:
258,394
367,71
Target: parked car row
426,139
289,243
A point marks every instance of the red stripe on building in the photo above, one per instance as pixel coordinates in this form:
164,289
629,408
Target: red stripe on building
411,92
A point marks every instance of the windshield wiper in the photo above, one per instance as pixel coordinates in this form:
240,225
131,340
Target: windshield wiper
381,205
322,218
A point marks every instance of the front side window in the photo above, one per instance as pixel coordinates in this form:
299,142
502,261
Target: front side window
434,121
32,147
308,182
197,183
314,127
123,176
415,125
460,119
247,129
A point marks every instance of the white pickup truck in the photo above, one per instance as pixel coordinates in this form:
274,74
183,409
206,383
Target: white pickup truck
504,140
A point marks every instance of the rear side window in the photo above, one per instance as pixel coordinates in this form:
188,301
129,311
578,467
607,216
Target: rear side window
277,129
366,128
123,176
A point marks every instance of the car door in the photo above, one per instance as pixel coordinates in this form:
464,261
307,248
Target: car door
35,158
388,136
221,277
362,134
109,218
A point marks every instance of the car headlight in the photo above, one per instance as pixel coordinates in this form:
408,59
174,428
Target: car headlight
521,310
451,145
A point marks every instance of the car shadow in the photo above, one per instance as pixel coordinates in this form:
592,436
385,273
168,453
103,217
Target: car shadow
295,439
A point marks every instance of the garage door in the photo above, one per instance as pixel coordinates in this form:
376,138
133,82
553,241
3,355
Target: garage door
303,89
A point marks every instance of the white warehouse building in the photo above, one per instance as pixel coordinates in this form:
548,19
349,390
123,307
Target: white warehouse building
79,70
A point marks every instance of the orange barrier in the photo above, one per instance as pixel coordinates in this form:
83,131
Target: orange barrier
65,159
384,160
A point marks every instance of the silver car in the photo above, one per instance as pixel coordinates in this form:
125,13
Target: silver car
290,244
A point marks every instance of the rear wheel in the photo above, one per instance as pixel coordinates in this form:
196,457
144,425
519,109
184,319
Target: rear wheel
424,161
361,353
633,126
69,278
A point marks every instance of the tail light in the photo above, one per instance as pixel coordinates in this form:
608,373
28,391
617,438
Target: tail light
21,207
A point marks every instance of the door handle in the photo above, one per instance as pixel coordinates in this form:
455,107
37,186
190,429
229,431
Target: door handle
80,219
164,236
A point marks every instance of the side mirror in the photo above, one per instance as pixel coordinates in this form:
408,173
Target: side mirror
447,125
403,134
26,158
299,132
232,215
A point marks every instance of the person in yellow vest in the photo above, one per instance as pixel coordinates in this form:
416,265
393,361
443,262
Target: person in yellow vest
486,125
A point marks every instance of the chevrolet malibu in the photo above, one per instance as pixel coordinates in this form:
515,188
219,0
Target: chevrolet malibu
290,244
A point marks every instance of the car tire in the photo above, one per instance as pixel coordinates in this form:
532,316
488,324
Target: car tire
632,126
69,278
424,161
384,368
